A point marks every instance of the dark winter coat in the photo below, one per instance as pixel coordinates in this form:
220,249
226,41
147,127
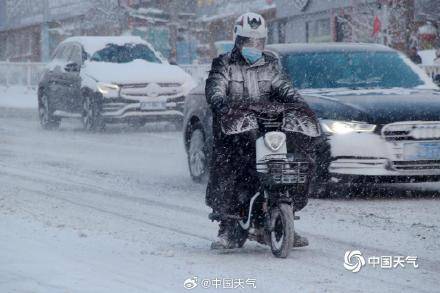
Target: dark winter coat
233,80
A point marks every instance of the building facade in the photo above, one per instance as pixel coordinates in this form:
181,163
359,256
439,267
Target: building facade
167,24
216,18
394,23
31,29
187,30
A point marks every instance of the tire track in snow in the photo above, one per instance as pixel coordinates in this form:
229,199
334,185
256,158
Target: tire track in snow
27,175
326,256
105,211
39,176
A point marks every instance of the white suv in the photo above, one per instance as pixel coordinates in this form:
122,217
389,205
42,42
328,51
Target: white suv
111,79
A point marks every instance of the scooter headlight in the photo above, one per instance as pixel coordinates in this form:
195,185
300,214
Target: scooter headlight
274,140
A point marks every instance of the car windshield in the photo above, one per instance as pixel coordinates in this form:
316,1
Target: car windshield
317,70
125,53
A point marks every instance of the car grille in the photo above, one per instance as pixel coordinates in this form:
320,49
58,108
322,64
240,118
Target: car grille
411,131
112,107
147,89
416,165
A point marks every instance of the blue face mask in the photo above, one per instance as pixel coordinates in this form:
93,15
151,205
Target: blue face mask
251,54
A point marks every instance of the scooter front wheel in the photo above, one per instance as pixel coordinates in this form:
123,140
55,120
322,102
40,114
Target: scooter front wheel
282,230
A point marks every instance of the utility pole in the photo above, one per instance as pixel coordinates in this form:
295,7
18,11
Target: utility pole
44,42
173,25
385,23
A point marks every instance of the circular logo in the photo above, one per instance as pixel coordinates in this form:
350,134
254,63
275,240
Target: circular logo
353,261
153,89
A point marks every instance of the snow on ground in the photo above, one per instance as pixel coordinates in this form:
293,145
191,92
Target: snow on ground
117,212
18,97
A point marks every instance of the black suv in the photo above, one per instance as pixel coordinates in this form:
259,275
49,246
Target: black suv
380,112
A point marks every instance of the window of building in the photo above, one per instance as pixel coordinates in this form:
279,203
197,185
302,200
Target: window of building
318,30
19,45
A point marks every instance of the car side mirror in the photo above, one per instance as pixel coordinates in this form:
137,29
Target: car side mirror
72,67
437,79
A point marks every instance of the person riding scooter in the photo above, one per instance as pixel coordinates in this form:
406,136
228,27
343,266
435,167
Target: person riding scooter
246,74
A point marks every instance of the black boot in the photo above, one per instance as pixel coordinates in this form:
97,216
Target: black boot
300,241
224,237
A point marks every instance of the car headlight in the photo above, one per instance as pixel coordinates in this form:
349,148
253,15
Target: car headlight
344,127
108,90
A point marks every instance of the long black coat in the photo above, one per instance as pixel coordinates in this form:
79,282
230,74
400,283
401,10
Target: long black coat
233,80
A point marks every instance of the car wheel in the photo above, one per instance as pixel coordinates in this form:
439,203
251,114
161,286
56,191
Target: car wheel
90,116
47,120
197,157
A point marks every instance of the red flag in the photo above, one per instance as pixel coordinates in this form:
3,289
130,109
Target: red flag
376,26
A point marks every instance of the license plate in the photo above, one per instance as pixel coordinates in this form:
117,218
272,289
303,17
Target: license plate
153,105
421,151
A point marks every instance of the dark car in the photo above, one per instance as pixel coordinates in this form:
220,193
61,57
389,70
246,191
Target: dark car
381,113
110,79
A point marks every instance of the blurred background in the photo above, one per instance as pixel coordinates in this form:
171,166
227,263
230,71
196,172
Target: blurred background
190,33
186,31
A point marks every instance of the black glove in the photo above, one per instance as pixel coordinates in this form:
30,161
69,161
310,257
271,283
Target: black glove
221,108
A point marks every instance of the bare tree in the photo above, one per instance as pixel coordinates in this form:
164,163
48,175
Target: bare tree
394,20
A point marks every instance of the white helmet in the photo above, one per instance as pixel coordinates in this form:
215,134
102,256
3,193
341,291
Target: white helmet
250,25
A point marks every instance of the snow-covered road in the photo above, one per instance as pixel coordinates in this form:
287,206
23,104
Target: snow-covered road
117,212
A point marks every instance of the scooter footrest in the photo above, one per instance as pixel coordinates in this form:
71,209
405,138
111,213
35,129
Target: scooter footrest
221,217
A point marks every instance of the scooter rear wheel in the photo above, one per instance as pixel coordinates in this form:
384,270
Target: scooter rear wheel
282,234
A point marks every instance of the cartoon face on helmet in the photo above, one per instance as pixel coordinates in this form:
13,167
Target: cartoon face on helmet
250,34
250,25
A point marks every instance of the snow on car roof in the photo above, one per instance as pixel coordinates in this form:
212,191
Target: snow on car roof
91,44
325,47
